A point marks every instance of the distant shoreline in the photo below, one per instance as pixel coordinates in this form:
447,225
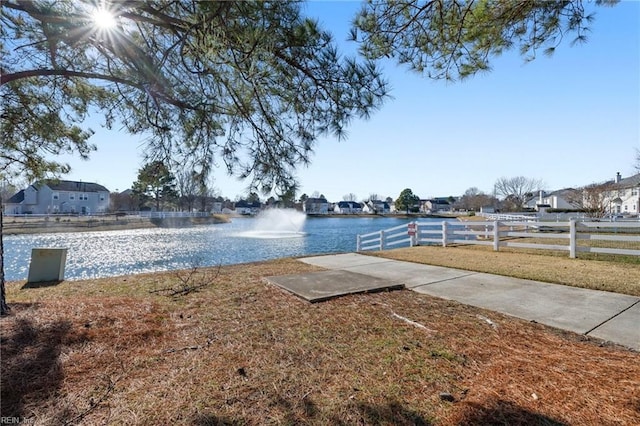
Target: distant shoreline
54,224
23,226
384,216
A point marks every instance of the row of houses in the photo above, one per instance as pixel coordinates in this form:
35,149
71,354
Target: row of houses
322,206
72,197
621,197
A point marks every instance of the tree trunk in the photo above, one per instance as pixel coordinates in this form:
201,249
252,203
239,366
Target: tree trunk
4,308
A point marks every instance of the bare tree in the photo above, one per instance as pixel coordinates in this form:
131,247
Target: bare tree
473,200
188,184
349,197
207,194
637,165
373,196
595,199
124,201
516,190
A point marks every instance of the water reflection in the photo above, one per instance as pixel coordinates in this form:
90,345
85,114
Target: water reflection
112,253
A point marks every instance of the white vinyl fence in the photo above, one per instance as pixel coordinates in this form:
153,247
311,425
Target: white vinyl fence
573,236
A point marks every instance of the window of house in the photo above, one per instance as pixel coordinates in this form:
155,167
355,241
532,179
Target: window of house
55,195
634,191
101,197
84,197
72,196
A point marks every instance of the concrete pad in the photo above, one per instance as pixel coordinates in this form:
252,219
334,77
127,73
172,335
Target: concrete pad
324,285
410,274
623,328
568,308
343,261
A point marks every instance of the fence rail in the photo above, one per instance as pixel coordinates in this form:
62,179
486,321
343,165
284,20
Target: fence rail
573,236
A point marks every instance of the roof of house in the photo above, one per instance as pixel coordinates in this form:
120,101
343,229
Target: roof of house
316,200
248,204
442,201
374,203
71,185
16,198
349,205
562,193
629,182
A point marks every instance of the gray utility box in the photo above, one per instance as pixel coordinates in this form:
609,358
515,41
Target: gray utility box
47,264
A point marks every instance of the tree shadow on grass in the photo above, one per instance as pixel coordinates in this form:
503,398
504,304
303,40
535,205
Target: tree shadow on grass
505,413
212,420
392,413
306,411
31,371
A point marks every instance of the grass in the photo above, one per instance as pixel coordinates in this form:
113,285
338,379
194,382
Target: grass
243,352
619,276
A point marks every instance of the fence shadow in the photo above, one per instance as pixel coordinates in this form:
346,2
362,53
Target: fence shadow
41,284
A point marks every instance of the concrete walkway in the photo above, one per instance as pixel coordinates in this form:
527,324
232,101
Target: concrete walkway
609,316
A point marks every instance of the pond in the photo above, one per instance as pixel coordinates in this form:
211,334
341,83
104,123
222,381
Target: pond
112,253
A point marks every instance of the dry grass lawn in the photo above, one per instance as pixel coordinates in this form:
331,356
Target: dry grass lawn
243,352
608,275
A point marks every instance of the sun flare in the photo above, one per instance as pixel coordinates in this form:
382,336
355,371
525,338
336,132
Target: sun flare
104,19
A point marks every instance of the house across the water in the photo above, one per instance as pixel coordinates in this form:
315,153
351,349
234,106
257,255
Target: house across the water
59,196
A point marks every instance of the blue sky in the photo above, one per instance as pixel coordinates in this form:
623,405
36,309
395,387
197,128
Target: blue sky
569,120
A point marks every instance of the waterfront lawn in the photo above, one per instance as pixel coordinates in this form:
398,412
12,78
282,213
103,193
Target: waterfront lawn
241,351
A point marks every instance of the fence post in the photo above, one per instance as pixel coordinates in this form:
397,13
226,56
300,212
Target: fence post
496,236
444,234
358,242
412,230
572,238
381,240
415,237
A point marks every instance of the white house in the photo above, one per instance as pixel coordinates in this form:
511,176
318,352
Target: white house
552,200
348,207
59,196
376,207
246,208
316,206
437,205
618,196
624,195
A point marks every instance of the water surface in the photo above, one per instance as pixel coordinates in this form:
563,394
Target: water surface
112,253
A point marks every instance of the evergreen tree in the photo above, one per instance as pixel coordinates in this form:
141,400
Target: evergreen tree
456,39
248,84
156,181
407,200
